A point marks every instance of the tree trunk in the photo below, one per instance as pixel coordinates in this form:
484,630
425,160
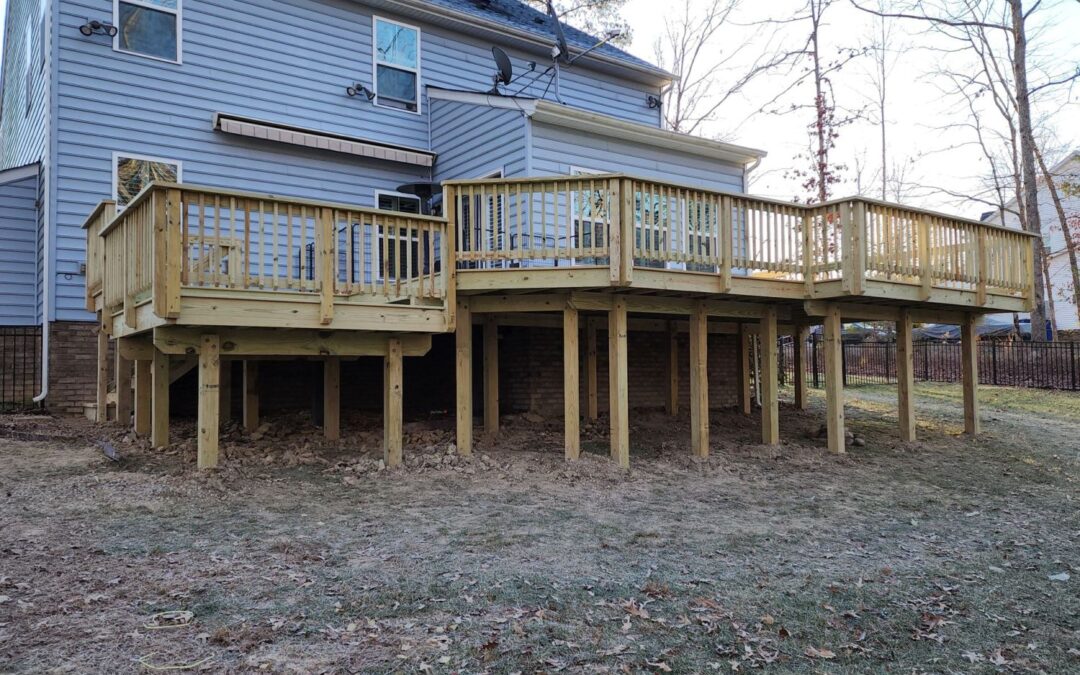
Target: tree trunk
1027,161
1070,244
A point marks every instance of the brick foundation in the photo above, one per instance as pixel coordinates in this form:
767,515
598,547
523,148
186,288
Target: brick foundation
72,366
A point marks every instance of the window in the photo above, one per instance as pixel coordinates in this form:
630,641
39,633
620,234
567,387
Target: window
396,65
397,248
148,28
131,173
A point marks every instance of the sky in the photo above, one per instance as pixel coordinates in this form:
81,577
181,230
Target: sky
920,103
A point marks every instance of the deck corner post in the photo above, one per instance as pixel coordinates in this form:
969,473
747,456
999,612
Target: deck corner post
858,246
969,345
617,384
834,379
251,396
159,399
449,256
327,266
491,376
332,398
571,384
615,231
464,348
727,243
926,272
143,397
699,381
626,225
393,398
770,408
174,252
209,400
802,335
905,376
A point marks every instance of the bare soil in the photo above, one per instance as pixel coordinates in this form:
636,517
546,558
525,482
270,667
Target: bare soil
946,555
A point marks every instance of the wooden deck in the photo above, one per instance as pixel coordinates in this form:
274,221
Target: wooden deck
195,275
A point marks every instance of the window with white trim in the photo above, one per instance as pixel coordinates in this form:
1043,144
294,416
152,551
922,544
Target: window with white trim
396,64
132,173
149,28
397,248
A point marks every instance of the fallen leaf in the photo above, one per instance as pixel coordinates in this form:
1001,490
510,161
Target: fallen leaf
815,653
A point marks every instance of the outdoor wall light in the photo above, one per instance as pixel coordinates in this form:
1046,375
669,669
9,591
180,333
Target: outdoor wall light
96,27
653,102
357,88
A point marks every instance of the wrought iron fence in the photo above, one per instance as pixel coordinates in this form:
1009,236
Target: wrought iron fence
1038,365
20,367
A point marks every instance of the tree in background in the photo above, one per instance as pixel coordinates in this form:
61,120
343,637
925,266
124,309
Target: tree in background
595,17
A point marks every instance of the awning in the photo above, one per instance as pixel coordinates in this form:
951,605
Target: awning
311,138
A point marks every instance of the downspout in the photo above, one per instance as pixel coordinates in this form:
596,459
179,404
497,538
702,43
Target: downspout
746,173
48,157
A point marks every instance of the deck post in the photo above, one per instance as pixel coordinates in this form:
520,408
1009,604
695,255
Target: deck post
571,383
123,387
143,397
745,399
251,396
591,381
225,392
463,339
673,370
159,400
491,376
209,399
332,398
905,376
618,385
699,381
393,394
802,333
969,346
770,407
101,397
834,379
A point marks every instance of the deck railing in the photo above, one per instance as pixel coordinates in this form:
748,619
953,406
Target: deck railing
172,237
625,222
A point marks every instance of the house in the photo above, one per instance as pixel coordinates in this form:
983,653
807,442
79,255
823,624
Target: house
331,193
1060,287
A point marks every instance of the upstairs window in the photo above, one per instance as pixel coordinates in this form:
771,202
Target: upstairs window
132,173
148,28
397,65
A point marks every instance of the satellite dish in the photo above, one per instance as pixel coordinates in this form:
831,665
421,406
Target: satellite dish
505,72
563,51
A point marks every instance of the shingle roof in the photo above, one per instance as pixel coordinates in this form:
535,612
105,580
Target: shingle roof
518,15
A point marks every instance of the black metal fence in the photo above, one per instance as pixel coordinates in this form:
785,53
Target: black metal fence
20,367
1039,365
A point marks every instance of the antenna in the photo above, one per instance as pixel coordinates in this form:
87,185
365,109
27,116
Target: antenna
504,73
561,52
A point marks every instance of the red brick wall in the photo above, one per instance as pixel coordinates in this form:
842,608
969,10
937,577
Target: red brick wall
72,366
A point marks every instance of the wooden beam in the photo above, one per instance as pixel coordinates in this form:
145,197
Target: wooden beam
802,334
209,398
137,348
143,397
101,397
745,397
332,398
699,382
571,376
905,376
834,380
288,342
969,347
124,394
858,311
591,381
618,385
491,377
463,340
393,397
770,407
673,370
251,396
225,392
159,410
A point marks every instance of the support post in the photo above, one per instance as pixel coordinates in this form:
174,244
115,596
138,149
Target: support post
591,381
209,398
834,379
745,400
905,376
463,339
251,396
673,370
969,346
143,397
491,376
392,403
618,385
332,398
102,394
699,381
770,407
571,377
225,392
123,387
802,333
159,411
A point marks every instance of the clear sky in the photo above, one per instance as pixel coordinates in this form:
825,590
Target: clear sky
920,103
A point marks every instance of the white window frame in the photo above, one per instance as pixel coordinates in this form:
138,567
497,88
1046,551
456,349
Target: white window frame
579,171
375,19
414,237
179,12
117,154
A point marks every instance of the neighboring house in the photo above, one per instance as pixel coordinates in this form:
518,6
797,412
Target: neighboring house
253,96
1067,171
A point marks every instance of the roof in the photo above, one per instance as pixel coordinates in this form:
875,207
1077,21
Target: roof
605,125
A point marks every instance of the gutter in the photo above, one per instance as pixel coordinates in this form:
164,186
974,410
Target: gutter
49,163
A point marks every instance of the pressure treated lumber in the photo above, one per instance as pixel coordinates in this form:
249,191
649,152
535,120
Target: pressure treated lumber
209,399
699,382
123,389
770,407
618,385
834,380
571,388
143,396
969,346
393,397
905,377
463,378
159,411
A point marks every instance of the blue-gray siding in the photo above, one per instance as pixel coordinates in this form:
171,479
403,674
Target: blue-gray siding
18,252
474,140
23,128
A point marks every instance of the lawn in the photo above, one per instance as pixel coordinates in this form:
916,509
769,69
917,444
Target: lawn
945,555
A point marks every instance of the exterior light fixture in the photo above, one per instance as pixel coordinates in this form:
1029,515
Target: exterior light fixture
654,102
96,27
357,88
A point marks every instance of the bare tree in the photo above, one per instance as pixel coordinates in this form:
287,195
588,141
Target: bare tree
595,17
1065,225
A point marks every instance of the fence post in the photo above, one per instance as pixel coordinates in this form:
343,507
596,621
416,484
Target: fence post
926,361
1072,363
993,362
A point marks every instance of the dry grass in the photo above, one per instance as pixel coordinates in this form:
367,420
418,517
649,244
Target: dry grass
935,556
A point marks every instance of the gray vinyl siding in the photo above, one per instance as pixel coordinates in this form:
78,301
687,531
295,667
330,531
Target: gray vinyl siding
23,130
18,252
475,140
